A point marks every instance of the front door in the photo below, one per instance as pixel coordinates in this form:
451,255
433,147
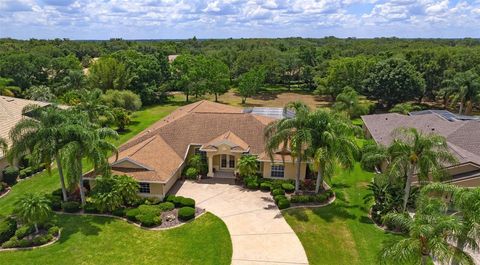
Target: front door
227,162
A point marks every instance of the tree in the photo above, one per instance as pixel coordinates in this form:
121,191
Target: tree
250,83
91,103
33,209
198,163
6,89
185,75
40,93
247,165
42,137
393,81
308,77
122,118
291,135
92,144
216,77
373,155
112,192
465,88
348,102
124,99
405,108
413,153
108,73
332,145
428,232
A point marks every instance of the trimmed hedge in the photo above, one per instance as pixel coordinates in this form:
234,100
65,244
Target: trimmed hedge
166,206
186,213
10,175
90,208
71,207
8,227
147,215
180,201
120,212
253,185
265,186
319,198
3,186
276,192
187,202
55,202
289,188
11,243
283,204
57,192
42,240
279,197
24,231
149,219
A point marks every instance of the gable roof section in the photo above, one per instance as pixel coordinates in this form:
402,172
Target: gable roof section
228,138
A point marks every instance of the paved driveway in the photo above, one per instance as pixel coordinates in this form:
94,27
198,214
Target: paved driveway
260,234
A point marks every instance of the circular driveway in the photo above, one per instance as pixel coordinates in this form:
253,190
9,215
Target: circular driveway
260,234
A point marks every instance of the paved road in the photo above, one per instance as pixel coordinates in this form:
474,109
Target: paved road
260,234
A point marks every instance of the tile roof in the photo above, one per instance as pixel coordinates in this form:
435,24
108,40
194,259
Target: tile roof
164,145
463,137
228,138
11,113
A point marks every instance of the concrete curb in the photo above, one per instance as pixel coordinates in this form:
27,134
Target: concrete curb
314,206
6,193
35,247
133,223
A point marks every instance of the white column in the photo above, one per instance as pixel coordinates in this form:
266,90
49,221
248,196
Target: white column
210,166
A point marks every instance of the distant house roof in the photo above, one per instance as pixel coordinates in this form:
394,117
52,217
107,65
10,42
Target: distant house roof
276,113
446,115
463,136
11,113
172,57
157,153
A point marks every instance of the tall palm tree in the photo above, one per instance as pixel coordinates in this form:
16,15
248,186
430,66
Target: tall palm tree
348,102
290,135
415,153
33,209
465,204
92,144
333,144
465,88
428,232
42,136
91,103
373,155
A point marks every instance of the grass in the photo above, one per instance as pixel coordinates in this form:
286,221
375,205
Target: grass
45,183
102,240
341,233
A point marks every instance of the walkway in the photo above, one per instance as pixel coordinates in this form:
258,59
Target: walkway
260,234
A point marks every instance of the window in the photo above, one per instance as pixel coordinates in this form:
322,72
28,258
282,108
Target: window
224,161
144,187
231,162
278,171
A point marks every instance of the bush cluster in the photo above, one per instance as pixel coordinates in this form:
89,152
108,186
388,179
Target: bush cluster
71,206
166,206
8,226
276,192
264,184
10,175
318,198
283,203
146,215
186,213
3,186
55,202
180,201
19,240
288,187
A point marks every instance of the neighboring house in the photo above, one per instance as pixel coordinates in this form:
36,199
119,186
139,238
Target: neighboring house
10,114
461,132
220,133
172,58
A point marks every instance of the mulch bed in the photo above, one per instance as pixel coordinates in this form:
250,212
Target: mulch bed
166,223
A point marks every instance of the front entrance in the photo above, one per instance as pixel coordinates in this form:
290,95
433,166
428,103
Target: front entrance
227,162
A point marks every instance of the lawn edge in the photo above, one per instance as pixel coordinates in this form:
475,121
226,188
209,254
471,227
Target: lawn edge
35,247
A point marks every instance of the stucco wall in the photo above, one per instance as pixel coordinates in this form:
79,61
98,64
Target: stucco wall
290,170
461,169
471,183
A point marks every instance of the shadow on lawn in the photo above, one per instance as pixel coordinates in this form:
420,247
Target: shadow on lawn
87,225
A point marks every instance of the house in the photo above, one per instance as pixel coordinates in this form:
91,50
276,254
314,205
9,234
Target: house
462,134
221,134
10,114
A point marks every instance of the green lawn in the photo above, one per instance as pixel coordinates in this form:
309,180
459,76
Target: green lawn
45,182
101,240
340,233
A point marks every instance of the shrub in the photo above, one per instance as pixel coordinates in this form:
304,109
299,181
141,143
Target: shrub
131,214
90,208
24,243
55,202
166,206
265,186
71,207
8,226
42,240
191,173
279,197
252,185
57,192
283,203
149,219
26,172
24,231
54,230
186,213
152,201
289,188
10,175
147,215
3,186
187,202
12,243
278,192
301,199
321,197
178,201
120,212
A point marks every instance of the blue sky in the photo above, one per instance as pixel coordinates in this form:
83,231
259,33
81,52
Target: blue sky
171,19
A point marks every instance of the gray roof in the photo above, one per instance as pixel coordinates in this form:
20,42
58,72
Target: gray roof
276,113
463,136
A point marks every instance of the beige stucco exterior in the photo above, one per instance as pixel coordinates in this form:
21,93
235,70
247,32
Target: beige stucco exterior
290,170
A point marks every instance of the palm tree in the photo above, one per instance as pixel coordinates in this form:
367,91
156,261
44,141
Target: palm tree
6,89
465,88
348,102
91,103
465,204
90,143
33,209
415,153
373,155
291,135
42,136
333,144
247,165
428,232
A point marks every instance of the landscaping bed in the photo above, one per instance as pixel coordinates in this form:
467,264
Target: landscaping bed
15,235
4,189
